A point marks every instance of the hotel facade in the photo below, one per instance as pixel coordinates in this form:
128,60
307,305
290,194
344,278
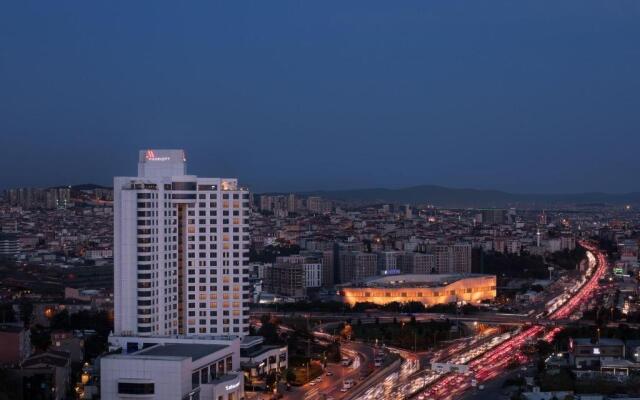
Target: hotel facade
181,251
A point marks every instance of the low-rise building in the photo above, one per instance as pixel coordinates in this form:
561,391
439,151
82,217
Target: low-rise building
586,353
9,245
173,368
48,372
258,360
15,344
427,289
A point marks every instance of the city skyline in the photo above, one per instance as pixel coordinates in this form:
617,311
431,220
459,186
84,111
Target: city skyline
528,97
332,200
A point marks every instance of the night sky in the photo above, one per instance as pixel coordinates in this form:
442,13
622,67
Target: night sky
524,96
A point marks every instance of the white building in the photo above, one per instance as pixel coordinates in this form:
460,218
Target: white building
387,261
174,369
97,254
312,275
258,360
180,251
9,246
452,258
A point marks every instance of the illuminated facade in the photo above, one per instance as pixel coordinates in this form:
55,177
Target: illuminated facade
180,251
427,289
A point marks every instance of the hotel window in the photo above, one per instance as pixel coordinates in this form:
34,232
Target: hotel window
229,364
135,388
195,380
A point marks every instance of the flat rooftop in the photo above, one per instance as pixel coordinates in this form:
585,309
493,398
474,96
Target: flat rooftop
249,341
413,280
194,351
600,342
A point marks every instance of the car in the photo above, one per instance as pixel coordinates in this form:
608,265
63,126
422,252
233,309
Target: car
312,383
348,383
329,373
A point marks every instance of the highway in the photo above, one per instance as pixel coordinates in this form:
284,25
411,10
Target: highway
484,317
495,361
330,385
479,358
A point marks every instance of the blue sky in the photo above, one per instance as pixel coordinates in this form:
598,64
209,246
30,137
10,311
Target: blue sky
524,96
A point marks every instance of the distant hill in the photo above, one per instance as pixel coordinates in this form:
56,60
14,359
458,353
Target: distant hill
88,186
451,197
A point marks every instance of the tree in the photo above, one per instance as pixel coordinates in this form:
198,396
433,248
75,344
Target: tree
271,379
269,330
413,307
6,313
543,348
290,376
40,338
61,321
537,288
94,346
334,352
347,331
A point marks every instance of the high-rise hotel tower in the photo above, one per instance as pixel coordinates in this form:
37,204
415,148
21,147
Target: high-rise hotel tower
181,248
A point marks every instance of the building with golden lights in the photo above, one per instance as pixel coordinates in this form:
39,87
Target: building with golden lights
427,289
